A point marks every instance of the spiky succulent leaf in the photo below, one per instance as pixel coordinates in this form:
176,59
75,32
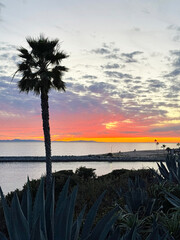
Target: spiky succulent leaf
64,218
132,234
37,233
60,218
163,170
20,224
62,196
71,212
7,215
2,237
156,234
171,162
99,228
64,228
90,217
107,227
26,205
115,235
77,225
175,201
39,207
170,172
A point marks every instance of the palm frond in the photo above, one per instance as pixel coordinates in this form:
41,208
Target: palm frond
40,66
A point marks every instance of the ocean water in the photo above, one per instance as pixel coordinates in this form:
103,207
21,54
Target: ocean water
73,148
14,175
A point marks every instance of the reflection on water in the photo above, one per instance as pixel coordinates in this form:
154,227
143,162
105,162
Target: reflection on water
14,175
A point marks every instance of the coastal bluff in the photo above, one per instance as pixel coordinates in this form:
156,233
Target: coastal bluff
132,156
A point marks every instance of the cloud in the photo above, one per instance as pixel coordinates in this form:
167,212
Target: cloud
129,57
1,6
14,102
171,95
155,84
175,88
89,76
8,58
136,29
146,11
174,73
101,87
120,93
137,87
111,125
169,105
127,95
176,38
115,74
112,66
75,87
108,51
112,56
173,27
127,80
166,129
101,51
174,60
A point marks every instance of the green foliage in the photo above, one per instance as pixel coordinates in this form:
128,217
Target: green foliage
171,222
158,233
85,173
144,210
137,199
42,220
171,171
41,67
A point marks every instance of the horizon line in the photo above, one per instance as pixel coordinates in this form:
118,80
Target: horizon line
104,140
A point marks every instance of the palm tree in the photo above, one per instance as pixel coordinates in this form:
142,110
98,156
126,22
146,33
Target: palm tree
41,71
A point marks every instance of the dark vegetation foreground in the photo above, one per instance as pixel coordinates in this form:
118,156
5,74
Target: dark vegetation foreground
137,204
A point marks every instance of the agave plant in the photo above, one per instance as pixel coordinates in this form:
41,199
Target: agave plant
170,172
159,233
43,221
137,199
171,222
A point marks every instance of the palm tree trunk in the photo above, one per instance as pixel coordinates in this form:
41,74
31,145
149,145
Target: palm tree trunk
47,138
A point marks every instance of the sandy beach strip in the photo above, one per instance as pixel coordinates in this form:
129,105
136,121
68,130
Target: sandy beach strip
132,156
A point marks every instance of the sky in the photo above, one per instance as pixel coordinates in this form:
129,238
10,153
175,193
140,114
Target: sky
124,69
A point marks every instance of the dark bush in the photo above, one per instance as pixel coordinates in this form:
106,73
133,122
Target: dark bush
85,173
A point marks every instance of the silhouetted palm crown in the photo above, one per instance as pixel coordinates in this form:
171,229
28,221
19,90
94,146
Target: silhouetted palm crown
40,68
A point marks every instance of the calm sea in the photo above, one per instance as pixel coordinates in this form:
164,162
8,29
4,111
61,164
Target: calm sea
73,148
14,175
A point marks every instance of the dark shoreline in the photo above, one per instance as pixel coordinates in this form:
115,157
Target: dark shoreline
133,156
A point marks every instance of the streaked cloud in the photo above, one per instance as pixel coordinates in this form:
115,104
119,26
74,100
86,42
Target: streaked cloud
89,76
115,74
111,125
112,66
130,57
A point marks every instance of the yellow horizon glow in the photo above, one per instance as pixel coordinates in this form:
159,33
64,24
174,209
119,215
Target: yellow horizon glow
126,139
108,139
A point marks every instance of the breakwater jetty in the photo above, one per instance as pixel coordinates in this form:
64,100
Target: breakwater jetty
133,156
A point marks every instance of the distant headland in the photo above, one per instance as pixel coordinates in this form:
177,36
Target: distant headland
32,140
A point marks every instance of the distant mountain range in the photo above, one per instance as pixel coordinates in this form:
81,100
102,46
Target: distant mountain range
20,140
31,140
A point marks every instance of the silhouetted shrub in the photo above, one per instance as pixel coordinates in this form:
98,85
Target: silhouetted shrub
85,173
